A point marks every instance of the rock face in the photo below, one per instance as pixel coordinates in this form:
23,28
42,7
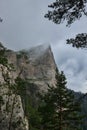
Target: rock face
41,66
37,65
11,111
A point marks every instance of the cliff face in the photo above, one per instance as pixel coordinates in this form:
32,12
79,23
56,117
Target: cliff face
11,108
36,65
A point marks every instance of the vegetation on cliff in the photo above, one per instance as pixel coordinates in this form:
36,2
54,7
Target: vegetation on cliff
11,112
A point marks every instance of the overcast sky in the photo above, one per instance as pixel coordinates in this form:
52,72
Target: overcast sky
24,26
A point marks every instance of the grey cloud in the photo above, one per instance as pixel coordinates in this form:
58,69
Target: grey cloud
24,24
74,64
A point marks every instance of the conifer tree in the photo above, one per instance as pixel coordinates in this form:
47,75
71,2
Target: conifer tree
59,110
69,11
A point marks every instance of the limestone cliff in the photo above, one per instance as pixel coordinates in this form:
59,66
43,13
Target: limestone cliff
11,108
36,65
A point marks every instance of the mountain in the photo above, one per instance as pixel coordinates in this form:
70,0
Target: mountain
36,66
82,98
11,108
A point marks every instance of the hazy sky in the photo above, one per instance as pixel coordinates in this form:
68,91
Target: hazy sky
24,26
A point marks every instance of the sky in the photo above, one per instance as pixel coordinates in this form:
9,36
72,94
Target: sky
24,26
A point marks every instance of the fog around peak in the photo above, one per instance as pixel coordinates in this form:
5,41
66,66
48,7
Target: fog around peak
38,51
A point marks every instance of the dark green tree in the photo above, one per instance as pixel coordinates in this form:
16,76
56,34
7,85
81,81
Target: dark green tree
80,41
69,11
27,92
1,19
58,109
3,59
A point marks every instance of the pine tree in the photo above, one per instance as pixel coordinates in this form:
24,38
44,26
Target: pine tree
69,11
59,110
66,10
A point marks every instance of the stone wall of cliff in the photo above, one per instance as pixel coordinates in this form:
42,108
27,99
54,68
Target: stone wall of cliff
11,109
37,66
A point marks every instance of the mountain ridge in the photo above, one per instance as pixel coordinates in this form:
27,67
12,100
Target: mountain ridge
38,67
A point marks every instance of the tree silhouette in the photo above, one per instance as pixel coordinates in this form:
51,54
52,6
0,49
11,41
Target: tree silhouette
1,19
69,11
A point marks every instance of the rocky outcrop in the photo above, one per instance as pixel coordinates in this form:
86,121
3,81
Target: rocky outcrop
11,110
37,66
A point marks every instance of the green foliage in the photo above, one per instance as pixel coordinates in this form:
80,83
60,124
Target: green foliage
58,109
21,54
20,86
80,41
3,59
56,103
1,101
33,117
1,19
1,46
68,10
28,101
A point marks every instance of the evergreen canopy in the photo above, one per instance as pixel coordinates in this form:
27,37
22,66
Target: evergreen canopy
59,110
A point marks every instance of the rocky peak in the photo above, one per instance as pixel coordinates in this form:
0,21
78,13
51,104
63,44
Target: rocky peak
11,108
41,66
38,51
37,65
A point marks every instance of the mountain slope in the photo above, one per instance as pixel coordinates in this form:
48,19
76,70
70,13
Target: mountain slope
37,66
